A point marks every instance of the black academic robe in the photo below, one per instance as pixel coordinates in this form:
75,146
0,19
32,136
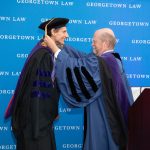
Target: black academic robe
35,103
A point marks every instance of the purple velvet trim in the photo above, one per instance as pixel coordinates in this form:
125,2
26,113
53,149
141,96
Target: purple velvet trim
39,94
122,96
42,84
43,73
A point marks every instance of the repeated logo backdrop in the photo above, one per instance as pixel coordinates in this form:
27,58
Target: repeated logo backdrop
19,20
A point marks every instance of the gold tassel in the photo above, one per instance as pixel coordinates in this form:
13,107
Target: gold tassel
43,44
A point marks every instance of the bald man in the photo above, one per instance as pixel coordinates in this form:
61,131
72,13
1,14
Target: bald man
98,83
103,41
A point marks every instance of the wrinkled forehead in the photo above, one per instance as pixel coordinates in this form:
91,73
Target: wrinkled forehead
96,36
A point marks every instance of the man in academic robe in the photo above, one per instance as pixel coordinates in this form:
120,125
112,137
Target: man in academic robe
34,106
96,81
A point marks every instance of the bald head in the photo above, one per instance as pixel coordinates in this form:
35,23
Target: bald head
106,34
103,40
105,30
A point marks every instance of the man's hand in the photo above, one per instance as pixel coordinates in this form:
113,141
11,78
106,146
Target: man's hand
51,44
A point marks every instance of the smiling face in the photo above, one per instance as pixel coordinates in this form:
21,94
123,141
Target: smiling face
59,35
98,44
103,40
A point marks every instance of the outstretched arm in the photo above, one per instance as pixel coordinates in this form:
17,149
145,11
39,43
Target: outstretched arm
78,78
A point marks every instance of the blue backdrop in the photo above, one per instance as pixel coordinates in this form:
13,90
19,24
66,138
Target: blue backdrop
19,20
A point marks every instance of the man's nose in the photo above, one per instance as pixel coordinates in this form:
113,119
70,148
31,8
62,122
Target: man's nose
92,44
67,35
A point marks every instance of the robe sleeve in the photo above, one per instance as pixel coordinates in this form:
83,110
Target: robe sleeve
74,53
78,78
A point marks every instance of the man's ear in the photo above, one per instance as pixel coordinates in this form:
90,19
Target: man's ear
53,32
107,44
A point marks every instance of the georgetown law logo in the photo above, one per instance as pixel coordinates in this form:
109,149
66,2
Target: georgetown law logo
86,22
14,19
22,55
4,128
16,37
132,58
141,41
6,92
64,110
82,39
79,39
113,5
68,128
77,21
8,73
138,76
128,23
46,2
4,147
72,146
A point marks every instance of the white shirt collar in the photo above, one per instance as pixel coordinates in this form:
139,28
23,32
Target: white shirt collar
108,51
